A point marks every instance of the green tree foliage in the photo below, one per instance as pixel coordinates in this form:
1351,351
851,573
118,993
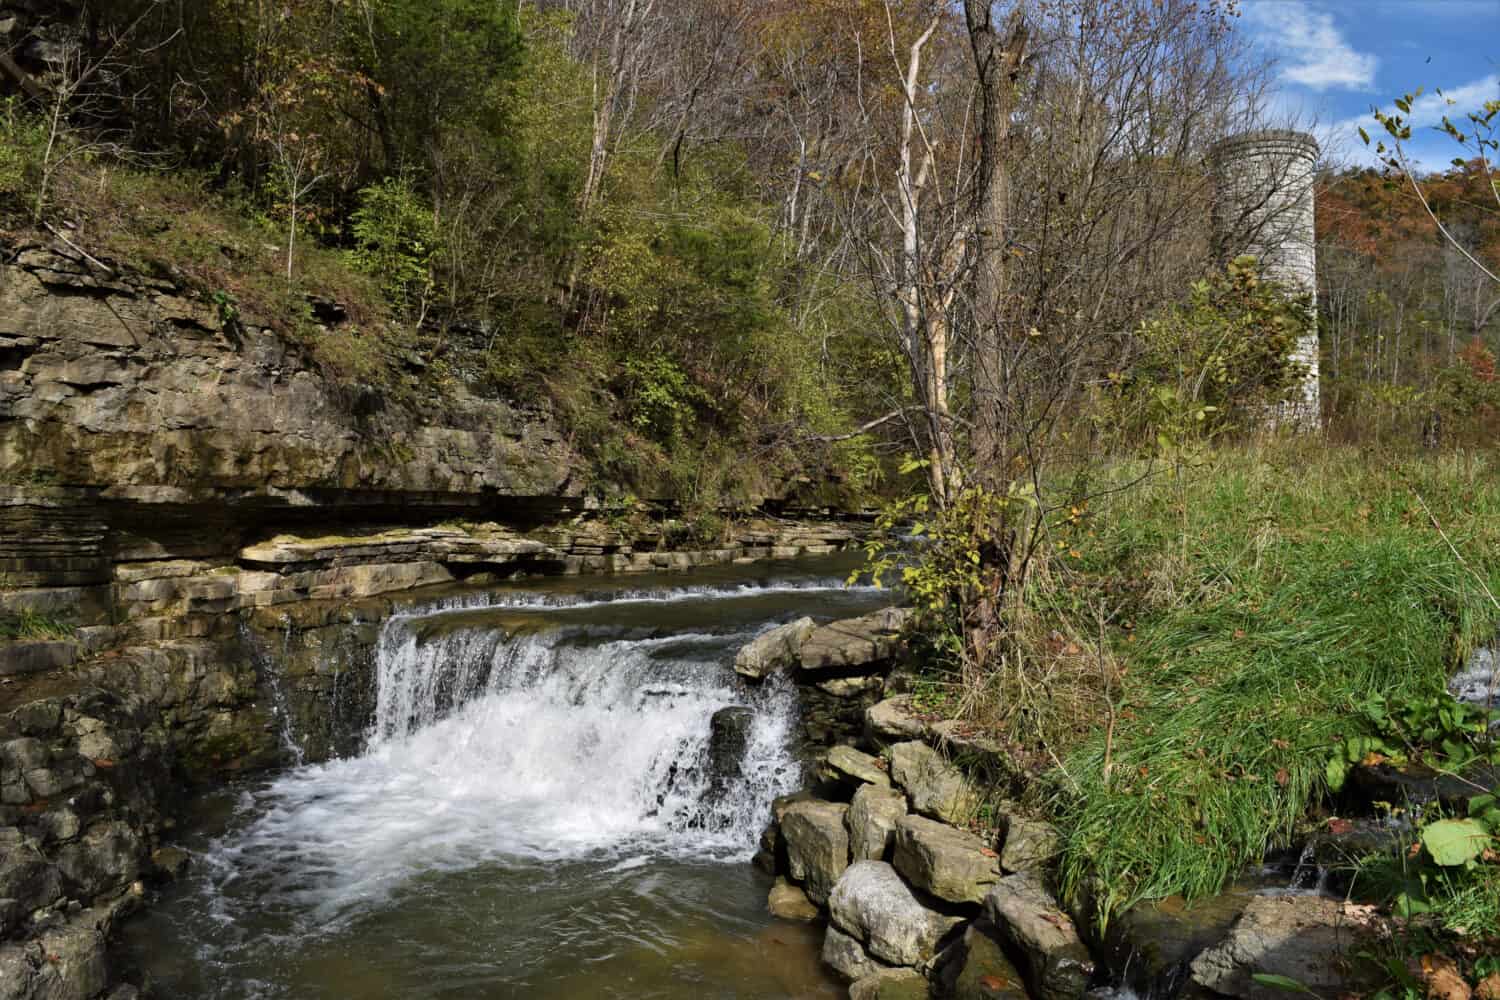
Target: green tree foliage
1218,360
395,238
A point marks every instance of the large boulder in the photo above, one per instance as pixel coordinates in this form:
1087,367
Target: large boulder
893,720
1312,939
817,845
950,864
1057,964
844,763
893,923
845,955
773,650
855,643
872,821
936,787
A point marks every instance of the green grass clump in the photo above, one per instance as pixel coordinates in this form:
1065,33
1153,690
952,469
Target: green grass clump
28,624
1274,591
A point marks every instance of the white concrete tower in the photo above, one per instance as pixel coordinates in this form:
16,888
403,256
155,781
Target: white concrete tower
1263,206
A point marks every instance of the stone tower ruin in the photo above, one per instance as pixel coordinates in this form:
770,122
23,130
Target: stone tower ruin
1263,206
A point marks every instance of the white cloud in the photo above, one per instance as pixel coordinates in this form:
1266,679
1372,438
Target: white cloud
1427,111
1310,46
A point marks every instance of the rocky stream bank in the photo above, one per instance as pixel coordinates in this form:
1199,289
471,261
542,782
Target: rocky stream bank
934,882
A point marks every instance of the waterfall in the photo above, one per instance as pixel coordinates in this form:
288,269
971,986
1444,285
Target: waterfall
518,729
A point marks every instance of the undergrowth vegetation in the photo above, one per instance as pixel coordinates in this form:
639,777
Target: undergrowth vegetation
1262,600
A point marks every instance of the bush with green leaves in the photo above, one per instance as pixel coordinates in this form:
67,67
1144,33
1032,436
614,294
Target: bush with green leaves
395,237
1222,357
23,151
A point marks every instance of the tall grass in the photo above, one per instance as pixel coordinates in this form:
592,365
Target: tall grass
1274,589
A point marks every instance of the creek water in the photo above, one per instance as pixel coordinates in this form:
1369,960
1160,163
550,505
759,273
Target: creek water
534,814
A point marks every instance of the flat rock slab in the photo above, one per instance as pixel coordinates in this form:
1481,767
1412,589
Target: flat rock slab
887,917
35,657
936,787
817,845
854,765
894,720
950,864
872,820
1057,964
773,650
1312,939
855,642
850,687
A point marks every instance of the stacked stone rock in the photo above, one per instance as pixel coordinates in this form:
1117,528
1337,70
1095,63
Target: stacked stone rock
921,900
1263,207
912,895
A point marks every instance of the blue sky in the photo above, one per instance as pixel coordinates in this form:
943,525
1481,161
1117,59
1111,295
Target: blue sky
1336,58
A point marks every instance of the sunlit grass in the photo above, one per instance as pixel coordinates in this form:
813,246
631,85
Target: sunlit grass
1277,589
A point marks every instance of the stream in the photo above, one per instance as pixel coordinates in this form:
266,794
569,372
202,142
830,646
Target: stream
534,814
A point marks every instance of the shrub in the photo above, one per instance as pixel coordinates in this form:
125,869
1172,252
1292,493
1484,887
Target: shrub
395,237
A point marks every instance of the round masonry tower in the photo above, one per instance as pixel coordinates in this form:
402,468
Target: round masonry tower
1263,206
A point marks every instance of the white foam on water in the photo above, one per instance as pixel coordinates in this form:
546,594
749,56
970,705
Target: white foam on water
488,749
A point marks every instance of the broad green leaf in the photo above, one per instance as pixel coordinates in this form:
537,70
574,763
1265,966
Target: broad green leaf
1337,772
1455,841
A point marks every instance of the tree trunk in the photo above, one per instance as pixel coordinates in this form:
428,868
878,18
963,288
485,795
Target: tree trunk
997,65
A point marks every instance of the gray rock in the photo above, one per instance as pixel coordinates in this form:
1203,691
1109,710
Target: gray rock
728,739
1155,940
850,687
788,902
1057,965
855,642
844,955
936,787
36,657
890,984
851,764
773,650
872,821
894,923
893,720
817,845
1030,844
107,859
1315,940
950,864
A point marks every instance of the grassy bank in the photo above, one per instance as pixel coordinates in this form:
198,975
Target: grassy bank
1259,604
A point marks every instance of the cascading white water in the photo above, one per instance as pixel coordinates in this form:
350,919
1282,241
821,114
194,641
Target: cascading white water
543,743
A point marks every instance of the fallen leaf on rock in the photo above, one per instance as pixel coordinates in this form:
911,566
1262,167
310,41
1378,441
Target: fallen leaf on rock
993,983
103,762
988,853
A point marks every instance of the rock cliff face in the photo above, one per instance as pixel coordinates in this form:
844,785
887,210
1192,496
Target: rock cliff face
126,385
200,534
